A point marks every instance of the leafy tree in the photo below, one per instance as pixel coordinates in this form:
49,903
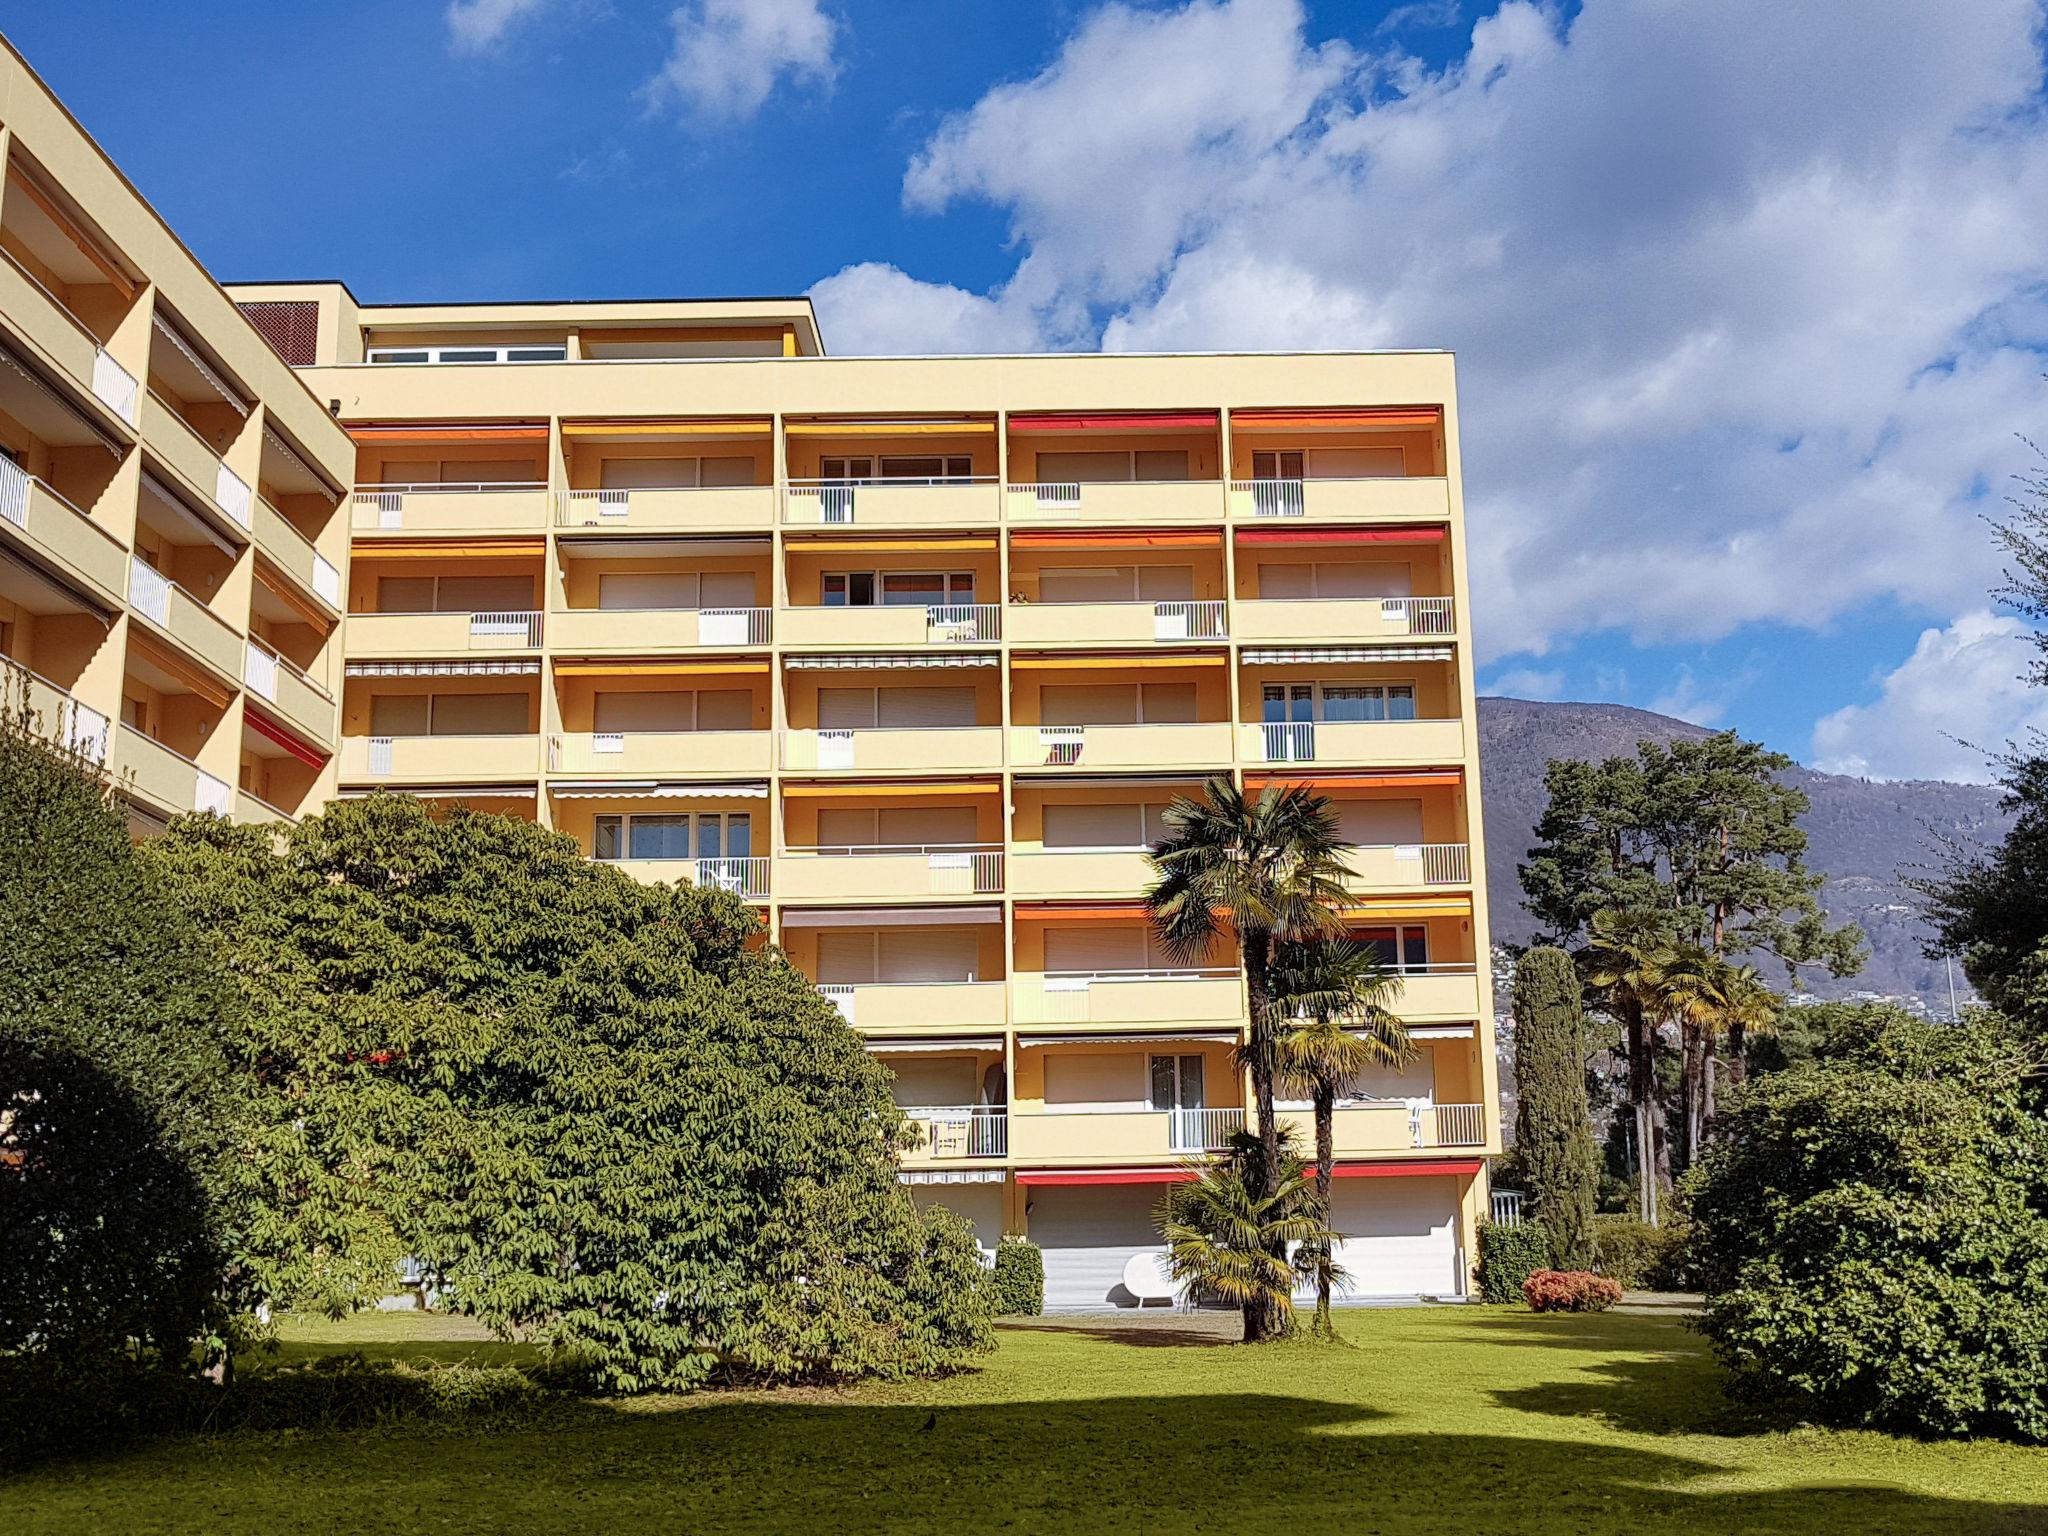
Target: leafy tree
1872,1229
1553,1131
600,1113
1339,998
119,1126
1230,1232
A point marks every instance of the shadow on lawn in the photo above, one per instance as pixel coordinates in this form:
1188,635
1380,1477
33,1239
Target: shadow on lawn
1602,1332
1148,1335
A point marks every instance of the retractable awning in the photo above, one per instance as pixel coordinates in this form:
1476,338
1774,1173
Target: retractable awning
904,789
208,374
1310,655
281,736
1112,421
1117,538
890,917
1314,534
444,791
1389,907
448,549
907,544
676,426
372,432
1344,781
1412,1169
1277,417
1091,660
888,428
850,663
1079,912
185,516
1441,1031
49,411
526,668
1134,1037
661,668
654,789
901,1047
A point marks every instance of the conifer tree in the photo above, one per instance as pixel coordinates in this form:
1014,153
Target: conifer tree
1553,1132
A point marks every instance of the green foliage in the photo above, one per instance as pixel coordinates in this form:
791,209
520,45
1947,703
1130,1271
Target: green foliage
119,1126
1872,1229
1507,1257
1244,1232
1553,1131
1019,1281
1640,1256
598,1112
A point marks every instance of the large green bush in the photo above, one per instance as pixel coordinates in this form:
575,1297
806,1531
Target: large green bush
1872,1230
1019,1280
1640,1256
600,1113
120,1127
1507,1257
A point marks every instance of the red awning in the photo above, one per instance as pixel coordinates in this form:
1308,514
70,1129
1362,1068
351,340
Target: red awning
1113,421
1343,781
263,726
1115,538
1282,416
1408,1170
1312,535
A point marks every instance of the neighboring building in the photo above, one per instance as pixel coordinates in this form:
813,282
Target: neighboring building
171,539
910,652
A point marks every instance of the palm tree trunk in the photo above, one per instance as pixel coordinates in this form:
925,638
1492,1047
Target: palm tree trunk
1326,1165
1257,949
1708,1056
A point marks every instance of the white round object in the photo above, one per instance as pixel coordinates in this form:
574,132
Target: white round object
1147,1277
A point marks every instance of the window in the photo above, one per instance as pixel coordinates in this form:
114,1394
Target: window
1116,584
895,589
1299,703
664,474
853,709
1097,467
712,709
1072,950
454,594
478,354
1329,463
1104,826
938,469
1379,823
1403,948
1296,580
450,714
1176,1082
675,590
459,474
1287,464
702,835
1118,704
894,827
899,955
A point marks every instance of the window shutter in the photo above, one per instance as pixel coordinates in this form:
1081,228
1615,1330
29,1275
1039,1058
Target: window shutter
485,594
928,954
1092,826
1376,823
481,714
1087,468
1089,704
844,827
399,714
647,474
1086,584
1168,703
1162,464
727,471
1166,583
728,589
1094,949
846,709
845,958
725,709
643,712
924,708
1286,580
927,824
1356,463
647,589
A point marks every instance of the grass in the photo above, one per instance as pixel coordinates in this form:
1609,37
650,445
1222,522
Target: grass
1457,1420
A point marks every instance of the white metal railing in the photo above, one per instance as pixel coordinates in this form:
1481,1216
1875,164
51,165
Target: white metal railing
326,579
1062,743
963,623
14,483
1506,1207
209,794
1418,615
1202,1130
962,1130
1294,741
732,626
844,995
521,628
388,497
149,592
1058,493
114,385
259,670
578,508
1273,498
1188,621
976,867
1447,1125
1438,863
834,501
77,726
741,876
235,498
1067,997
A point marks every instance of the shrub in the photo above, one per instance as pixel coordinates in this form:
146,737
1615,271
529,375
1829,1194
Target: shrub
1872,1231
1640,1256
1507,1257
1019,1282
1569,1290
1553,1137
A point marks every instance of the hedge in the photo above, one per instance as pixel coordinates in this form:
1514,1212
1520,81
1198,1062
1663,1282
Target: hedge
1570,1290
1640,1256
1507,1257
1019,1283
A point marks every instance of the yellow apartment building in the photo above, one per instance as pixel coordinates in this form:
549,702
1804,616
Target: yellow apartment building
911,653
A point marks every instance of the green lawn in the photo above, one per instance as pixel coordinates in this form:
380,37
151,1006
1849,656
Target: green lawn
1465,1421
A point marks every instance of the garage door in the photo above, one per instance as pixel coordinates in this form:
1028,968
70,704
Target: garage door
1400,1236
979,1205
1088,1234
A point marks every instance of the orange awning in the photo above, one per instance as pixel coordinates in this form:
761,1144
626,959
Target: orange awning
1091,661
669,426
908,544
1092,912
1382,416
1353,780
913,791
197,680
450,432
658,668
1385,908
888,428
286,591
1094,538
448,549
1110,421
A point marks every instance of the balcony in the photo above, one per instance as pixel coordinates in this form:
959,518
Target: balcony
197,629
512,507
940,749
886,1005
657,753
957,1133
742,877
439,759
1119,746
1387,499
1396,1126
1116,623
953,503
175,441
1210,995
1445,992
1350,620
1380,743
892,628
710,509
147,770
1092,872
1119,502
49,326
1088,1137
254,811
57,715
291,552
440,634
640,630
295,696
1408,866
888,873
56,534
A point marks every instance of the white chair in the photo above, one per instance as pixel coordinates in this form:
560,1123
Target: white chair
1147,1278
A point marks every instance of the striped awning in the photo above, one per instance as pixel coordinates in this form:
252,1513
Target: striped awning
926,1047
292,456
851,663
1310,655
205,370
444,791
1134,1037
515,668
951,1176
1442,1031
889,917
655,789
58,399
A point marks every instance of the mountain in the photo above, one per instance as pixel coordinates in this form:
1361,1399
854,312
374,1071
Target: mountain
1864,837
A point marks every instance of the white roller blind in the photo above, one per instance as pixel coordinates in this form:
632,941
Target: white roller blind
1356,463
399,714
927,954
728,589
1090,468
846,709
1092,826
1105,1083
727,471
1362,578
488,471
1166,583
1286,579
935,1080
1376,823
405,594
480,714
1074,948
923,708
646,474
1167,703
845,958
917,825
847,827
648,589
485,594
1089,704
1162,463
725,709
669,711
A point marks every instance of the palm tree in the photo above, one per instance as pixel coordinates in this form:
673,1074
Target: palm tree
1270,870
1624,958
1748,1007
1689,988
1230,1230
1338,996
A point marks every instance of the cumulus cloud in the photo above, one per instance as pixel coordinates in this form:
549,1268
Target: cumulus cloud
1960,695
477,26
873,308
1528,683
727,56
1743,295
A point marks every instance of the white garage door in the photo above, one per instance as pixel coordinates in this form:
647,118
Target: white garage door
979,1205
1088,1233
1400,1236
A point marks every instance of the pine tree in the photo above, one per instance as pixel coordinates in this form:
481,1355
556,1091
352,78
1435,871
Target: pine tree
1553,1132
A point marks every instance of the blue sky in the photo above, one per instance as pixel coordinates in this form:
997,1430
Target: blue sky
1747,299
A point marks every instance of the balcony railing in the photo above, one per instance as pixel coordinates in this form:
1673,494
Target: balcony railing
892,625
1382,498
195,458
885,870
1381,742
887,1004
829,503
935,748
647,629
1081,1136
61,532
1418,616
741,876
1119,746
1139,501
294,553
446,759
58,717
727,506
961,1130
276,681
1406,864
402,634
1448,1125
1172,994
183,617
77,346
166,777
629,752
449,506
1506,1206
1202,1130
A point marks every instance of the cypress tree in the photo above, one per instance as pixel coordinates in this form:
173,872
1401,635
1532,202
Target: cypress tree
1553,1132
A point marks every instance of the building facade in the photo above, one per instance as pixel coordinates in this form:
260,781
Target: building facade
910,653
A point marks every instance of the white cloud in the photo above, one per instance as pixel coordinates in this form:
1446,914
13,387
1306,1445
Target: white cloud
1423,15
873,308
1742,293
1528,683
727,56
477,26
1701,703
1959,695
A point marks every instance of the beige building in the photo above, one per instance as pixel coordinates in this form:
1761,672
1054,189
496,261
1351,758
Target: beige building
911,653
